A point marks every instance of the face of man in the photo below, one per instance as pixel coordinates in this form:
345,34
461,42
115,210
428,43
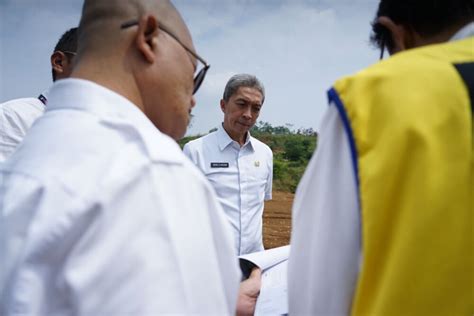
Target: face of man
168,91
241,112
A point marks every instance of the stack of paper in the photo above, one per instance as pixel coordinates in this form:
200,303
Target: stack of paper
273,298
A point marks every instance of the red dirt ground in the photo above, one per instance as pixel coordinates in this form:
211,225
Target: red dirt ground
277,220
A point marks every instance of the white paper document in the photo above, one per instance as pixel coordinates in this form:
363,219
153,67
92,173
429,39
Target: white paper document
273,298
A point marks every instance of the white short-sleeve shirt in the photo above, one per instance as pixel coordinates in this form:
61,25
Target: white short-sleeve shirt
242,178
101,214
16,117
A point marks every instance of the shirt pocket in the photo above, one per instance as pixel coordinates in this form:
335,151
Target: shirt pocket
260,173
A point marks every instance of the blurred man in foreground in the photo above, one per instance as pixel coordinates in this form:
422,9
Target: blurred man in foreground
382,221
102,214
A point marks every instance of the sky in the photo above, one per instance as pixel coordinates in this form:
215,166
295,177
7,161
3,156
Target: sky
297,48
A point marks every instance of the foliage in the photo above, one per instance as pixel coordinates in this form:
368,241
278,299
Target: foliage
291,154
187,139
291,148
266,128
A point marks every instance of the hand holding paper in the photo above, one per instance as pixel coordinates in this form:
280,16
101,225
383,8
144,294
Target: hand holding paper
272,299
248,293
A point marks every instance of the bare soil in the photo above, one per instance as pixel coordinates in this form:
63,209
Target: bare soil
277,220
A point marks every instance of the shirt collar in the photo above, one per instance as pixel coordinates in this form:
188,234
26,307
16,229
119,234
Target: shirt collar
44,96
224,139
466,31
45,93
114,110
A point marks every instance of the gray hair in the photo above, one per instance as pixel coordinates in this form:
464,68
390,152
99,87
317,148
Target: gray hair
242,80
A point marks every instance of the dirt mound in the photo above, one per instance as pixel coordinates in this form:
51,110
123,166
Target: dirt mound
277,220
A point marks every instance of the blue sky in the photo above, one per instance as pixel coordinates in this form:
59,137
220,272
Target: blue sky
298,48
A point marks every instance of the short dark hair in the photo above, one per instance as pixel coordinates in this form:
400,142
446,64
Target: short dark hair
67,43
426,17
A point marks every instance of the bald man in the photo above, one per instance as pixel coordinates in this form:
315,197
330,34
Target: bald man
101,213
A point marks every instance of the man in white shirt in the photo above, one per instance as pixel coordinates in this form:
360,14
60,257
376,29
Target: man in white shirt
328,254
102,214
17,116
239,166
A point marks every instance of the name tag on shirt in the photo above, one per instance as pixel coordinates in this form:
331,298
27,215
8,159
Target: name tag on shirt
219,165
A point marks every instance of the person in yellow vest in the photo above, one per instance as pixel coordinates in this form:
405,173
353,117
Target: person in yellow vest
383,216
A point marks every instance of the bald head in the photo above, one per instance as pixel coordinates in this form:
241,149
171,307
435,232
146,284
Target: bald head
99,28
141,50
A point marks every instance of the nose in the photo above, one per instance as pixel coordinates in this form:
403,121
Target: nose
193,102
247,114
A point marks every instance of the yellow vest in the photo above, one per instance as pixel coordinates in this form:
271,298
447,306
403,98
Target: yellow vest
409,120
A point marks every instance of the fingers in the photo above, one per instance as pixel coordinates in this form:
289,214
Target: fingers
256,273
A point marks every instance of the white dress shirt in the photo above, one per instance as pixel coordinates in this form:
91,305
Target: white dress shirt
101,214
16,117
326,247
242,178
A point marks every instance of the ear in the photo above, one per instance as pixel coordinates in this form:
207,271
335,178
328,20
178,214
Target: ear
223,105
147,37
58,61
403,37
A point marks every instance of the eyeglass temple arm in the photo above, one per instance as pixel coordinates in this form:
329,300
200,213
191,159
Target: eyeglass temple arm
162,27
382,49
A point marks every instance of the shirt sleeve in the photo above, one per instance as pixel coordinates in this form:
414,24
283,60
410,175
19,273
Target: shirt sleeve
16,117
269,184
33,237
15,217
324,259
12,131
187,152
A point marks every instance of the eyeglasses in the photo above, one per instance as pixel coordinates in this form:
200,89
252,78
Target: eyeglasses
381,33
382,48
66,52
199,78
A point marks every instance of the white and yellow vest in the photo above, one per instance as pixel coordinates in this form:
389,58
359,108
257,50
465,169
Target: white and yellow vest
410,127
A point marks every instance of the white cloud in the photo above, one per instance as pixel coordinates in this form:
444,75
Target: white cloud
296,47
28,34
215,83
